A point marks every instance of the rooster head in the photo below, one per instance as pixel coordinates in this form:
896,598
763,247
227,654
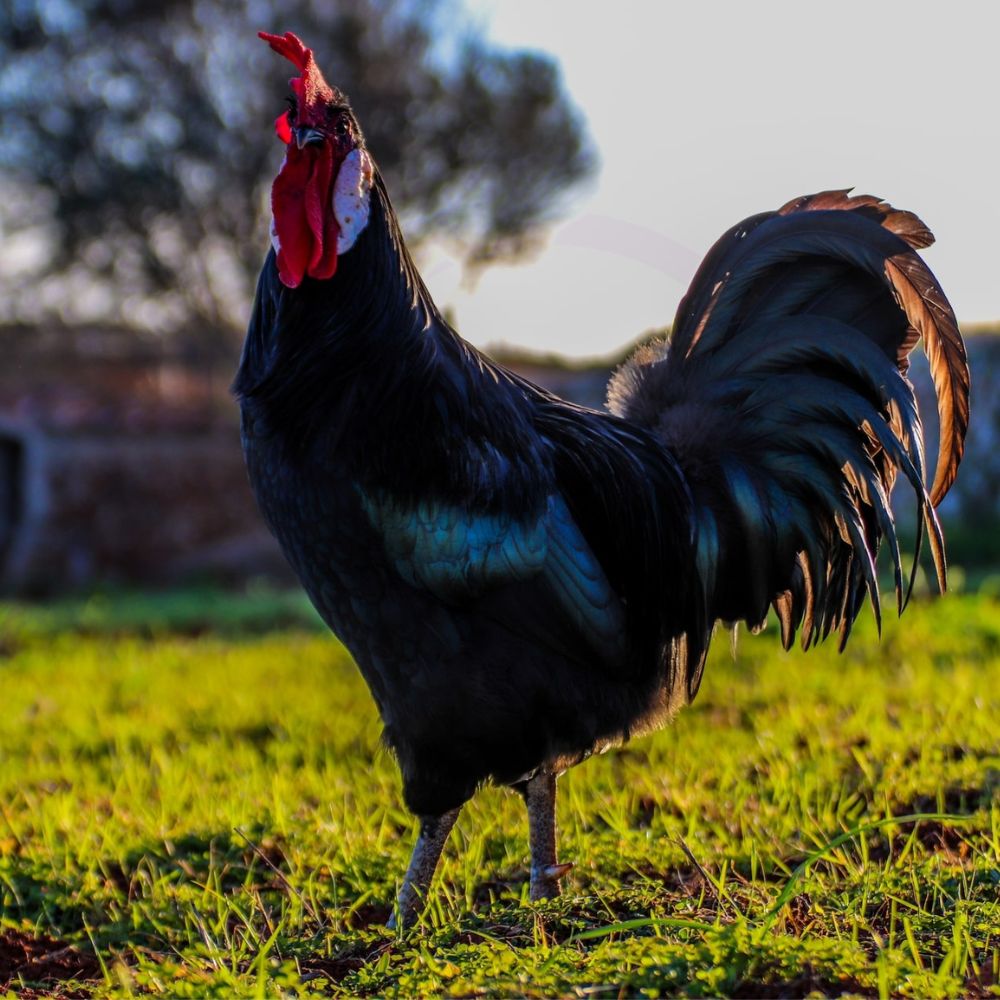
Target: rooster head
320,198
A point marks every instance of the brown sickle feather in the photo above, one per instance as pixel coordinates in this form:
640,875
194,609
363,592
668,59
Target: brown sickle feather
930,315
931,319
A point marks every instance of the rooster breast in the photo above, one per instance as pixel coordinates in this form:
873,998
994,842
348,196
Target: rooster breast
492,642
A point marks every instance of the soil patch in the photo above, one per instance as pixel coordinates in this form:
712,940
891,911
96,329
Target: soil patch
42,960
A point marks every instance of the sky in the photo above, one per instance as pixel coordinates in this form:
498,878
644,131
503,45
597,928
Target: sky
703,114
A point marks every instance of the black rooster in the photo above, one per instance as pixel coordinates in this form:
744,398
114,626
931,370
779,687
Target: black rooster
523,581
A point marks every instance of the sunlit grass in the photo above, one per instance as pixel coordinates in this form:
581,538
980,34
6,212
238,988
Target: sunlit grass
210,809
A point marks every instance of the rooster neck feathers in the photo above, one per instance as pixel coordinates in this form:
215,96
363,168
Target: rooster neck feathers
362,368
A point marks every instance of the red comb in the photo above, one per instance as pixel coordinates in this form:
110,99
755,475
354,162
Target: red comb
290,46
310,88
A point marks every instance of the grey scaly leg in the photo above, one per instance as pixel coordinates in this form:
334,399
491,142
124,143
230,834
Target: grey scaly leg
539,794
434,832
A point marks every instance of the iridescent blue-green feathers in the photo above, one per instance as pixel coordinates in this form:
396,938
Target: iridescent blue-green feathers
458,555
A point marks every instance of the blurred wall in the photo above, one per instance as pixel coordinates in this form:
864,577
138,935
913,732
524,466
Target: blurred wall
120,459
120,462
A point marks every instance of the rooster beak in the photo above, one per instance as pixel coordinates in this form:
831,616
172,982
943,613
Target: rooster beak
304,136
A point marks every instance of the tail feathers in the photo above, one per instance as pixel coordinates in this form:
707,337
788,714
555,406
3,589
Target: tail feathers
905,225
930,317
782,395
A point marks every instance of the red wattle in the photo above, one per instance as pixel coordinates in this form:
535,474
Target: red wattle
288,210
318,207
302,207
282,127
319,215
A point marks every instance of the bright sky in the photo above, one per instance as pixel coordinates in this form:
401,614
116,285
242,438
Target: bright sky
706,113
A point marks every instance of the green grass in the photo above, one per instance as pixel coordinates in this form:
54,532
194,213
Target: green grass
193,786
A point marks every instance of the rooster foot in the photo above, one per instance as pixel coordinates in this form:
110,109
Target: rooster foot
539,793
545,880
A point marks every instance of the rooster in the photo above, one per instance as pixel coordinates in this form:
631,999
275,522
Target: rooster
523,581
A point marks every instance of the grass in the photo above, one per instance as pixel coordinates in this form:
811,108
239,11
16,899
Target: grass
193,802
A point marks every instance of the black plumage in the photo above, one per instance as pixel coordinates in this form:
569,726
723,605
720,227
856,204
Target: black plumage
522,580
354,389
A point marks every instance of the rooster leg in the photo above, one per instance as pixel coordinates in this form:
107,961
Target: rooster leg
434,832
539,794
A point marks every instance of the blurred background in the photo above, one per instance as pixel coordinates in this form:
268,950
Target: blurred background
559,174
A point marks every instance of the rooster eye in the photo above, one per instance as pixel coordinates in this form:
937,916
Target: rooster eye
341,127
292,106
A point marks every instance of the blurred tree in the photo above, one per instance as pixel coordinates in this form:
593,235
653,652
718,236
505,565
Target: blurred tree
137,149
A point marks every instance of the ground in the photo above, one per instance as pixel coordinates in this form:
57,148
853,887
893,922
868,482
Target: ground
193,801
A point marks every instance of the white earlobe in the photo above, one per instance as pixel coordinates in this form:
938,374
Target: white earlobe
351,197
